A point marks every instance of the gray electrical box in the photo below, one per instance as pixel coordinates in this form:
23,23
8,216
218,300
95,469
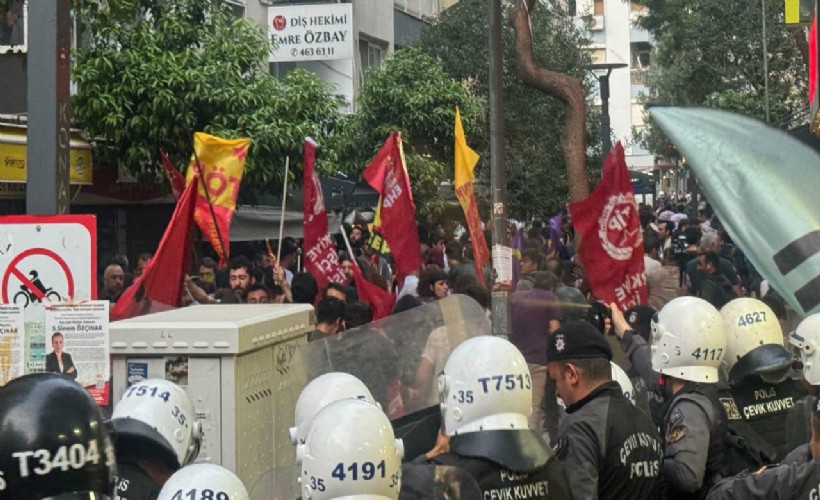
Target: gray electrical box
233,360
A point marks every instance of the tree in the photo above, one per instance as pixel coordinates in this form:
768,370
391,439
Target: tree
150,73
534,122
710,53
411,94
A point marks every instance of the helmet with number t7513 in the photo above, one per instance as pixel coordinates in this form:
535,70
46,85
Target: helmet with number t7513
688,340
350,452
754,342
485,386
319,393
161,413
807,338
54,443
203,482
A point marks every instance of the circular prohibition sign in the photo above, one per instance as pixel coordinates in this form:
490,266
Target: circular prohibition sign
12,270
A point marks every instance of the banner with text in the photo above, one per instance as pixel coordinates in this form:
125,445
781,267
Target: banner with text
311,32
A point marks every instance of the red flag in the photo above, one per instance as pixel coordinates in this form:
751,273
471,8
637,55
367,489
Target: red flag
174,176
610,241
321,259
387,175
380,300
813,60
161,285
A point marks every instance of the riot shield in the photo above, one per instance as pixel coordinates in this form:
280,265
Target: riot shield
398,358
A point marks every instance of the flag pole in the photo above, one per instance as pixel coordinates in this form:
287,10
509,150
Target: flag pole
347,244
210,205
282,215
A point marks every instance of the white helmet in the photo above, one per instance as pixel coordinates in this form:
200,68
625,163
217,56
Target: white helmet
200,478
754,342
807,339
620,376
319,393
162,412
485,386
350,452
688,340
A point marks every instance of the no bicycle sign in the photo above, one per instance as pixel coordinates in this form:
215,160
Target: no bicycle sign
47,259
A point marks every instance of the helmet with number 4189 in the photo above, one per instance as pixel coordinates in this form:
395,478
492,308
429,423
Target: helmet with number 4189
688,340
350,452
160,412
203,482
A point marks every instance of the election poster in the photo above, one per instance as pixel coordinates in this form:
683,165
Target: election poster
12,351
76,338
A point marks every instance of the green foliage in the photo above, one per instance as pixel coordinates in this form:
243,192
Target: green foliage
534,122
150,73
411,93
710,53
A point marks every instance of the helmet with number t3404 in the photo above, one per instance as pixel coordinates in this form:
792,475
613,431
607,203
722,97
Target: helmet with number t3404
688,340
754,342
203,482
807,338
322,391
350,452
54,443
161,413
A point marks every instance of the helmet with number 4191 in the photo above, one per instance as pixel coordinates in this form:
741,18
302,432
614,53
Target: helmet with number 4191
350,452
203,482
688,340
754,342
162,413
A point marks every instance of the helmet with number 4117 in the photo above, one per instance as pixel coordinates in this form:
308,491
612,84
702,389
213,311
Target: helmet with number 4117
350,452
688,340
162,413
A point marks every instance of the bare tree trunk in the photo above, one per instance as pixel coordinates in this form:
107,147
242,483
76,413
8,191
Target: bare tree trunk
560,86
799,35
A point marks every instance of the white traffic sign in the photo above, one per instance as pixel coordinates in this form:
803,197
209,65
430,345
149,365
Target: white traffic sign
47,258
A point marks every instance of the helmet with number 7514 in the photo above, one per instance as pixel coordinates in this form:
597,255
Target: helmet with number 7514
688,340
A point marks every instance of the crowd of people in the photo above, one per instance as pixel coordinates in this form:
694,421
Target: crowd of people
705,392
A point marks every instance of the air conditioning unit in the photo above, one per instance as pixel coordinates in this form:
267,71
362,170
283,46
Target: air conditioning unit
597,23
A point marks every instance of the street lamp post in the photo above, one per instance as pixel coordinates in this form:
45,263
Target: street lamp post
602,71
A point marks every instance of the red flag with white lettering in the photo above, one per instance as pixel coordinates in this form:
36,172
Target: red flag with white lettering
380,300
397,212
321,259
610,243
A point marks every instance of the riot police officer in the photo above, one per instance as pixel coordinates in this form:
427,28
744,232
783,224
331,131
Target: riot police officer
156,432
320,392
760,391
486,398
611,447
53,442
204,481
806,338
350,452
688,344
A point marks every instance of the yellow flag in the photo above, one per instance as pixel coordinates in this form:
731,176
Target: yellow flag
222,162
466,158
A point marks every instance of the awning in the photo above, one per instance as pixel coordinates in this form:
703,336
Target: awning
13,156
262,222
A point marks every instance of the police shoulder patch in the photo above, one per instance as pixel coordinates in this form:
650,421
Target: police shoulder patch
731,408
675,417
675,434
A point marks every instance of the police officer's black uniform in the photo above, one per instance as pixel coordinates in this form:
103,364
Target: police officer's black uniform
784,481
611,447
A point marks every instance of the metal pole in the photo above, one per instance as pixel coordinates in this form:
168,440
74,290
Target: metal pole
282,216
606,128
49,108
765,60
498,173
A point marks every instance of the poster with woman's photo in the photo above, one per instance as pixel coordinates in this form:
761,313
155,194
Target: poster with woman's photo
76,338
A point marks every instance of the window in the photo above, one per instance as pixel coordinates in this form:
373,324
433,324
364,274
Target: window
598,8
370,53
641,55
598,55
237,7
13,26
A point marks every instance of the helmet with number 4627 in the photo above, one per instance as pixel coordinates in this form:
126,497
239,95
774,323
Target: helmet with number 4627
807,338
350,452
688,340
485,386
54,443
161,413
322,391
754,342
203,482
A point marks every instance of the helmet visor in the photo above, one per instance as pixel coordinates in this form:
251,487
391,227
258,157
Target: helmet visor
79,495
770,362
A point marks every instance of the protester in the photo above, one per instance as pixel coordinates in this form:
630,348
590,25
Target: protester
330,314
258,294
113,283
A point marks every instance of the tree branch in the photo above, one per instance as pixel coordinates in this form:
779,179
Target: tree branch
560,86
